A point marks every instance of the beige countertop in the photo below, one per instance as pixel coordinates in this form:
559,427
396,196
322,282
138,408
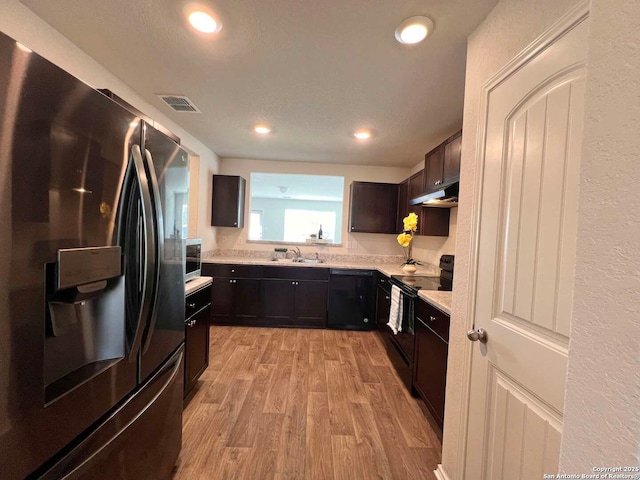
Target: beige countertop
440,300
197,283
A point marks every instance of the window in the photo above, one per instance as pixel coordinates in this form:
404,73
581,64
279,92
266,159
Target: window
291,208
298,224
255,225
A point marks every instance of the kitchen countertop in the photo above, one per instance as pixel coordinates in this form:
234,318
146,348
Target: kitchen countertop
440,300
197,283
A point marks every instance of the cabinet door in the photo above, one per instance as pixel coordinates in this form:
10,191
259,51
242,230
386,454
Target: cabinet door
222,291
430,369
311,303
247,301
197,348
416,184
383,306
452,153
434,222
433,166
373,207
403,203
278,301
227,201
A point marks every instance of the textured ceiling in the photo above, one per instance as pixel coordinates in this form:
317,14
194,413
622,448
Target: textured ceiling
313,70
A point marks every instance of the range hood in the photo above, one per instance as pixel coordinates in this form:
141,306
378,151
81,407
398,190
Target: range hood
445,197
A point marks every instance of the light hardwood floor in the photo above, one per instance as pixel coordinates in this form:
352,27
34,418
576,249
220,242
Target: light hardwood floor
303,404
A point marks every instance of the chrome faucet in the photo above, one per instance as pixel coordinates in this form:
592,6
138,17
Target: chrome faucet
297,254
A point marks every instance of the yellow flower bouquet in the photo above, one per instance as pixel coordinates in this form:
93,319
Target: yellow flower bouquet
410,225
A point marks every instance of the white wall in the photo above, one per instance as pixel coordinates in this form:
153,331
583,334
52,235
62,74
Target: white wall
22,24
357,243
507,30
602,403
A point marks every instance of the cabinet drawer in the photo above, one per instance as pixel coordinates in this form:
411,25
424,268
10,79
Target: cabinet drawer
197,300
434,318
296,273
231,271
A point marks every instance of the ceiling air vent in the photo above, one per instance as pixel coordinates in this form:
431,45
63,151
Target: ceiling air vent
180,103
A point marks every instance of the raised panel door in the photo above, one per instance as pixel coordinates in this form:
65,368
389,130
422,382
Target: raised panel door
311,303
527,219
452,155
227,201
430,369
373,207
403,203
197,347
278,301
433,167
247,301
222,299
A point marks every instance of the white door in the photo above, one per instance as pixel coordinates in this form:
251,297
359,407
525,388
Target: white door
525,259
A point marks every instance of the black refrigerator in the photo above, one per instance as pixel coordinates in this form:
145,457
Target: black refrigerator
93,212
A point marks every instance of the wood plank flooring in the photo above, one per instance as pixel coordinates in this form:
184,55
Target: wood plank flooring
303,404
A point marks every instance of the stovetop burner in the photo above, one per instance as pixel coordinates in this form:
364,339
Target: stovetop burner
417,282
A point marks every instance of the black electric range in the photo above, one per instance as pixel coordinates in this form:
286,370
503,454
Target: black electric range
418,282
404,342
412,283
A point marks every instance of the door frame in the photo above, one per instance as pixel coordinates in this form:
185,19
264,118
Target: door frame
567,22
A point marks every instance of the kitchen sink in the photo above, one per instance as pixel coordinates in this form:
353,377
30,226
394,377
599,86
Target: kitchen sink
308,260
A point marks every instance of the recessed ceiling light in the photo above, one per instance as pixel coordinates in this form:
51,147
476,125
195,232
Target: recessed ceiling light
414,30
204,22
23,48
262,129
362,134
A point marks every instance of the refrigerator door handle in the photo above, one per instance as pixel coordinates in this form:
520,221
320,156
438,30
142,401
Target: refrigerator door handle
148,253
159,234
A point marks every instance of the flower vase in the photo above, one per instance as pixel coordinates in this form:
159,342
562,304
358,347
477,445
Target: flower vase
409,269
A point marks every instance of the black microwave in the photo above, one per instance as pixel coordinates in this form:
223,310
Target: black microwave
193,259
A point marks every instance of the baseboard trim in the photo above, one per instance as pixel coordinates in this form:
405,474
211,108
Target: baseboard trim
440,473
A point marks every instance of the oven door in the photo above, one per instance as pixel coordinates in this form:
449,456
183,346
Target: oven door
405,339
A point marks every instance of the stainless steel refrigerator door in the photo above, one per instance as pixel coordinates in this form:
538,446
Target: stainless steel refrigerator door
169,176
139,441
64,149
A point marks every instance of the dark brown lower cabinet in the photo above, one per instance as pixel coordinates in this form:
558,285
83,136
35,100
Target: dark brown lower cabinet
278,307
383,307
198,310
430,364
235,301
311,303
288,303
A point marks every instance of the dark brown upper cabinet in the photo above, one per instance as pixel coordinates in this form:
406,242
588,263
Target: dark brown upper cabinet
227,201
373,207
452,154
442,164
403,203
433,167
416,184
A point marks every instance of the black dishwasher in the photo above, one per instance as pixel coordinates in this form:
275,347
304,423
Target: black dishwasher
351,299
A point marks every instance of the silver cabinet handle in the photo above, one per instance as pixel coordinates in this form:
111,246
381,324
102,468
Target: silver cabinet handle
432,318
191,305
478,335
233,271
387,297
